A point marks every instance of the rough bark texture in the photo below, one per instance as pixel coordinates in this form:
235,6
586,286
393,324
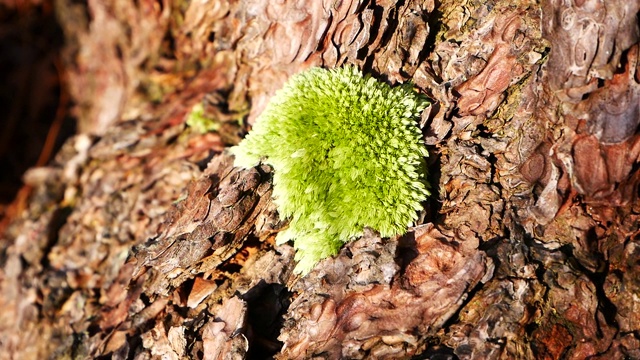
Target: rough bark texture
142,241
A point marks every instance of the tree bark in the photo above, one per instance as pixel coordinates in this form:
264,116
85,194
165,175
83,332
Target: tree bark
142,241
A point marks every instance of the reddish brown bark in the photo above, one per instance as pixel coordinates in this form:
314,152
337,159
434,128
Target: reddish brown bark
142,241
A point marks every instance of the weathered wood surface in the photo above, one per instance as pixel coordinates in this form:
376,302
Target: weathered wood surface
142,241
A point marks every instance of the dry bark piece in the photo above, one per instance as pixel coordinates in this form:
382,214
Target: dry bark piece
588,39
484,91
200,290
206,228
223,338
341,312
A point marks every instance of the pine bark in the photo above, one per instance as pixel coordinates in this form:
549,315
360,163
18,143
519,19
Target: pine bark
142,241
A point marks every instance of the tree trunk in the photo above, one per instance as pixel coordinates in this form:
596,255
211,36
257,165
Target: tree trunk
142,241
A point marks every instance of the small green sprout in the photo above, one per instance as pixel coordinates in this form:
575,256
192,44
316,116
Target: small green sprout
346,153
199,122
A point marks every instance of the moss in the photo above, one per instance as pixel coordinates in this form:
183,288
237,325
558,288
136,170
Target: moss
199,122
346,153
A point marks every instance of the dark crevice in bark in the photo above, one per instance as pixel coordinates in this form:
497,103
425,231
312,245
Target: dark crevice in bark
58,220
437,352
434,20
267,304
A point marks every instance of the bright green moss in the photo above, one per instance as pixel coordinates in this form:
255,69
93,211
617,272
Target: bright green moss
346,153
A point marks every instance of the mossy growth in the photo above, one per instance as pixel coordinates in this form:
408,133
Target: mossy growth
346,154
199,122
